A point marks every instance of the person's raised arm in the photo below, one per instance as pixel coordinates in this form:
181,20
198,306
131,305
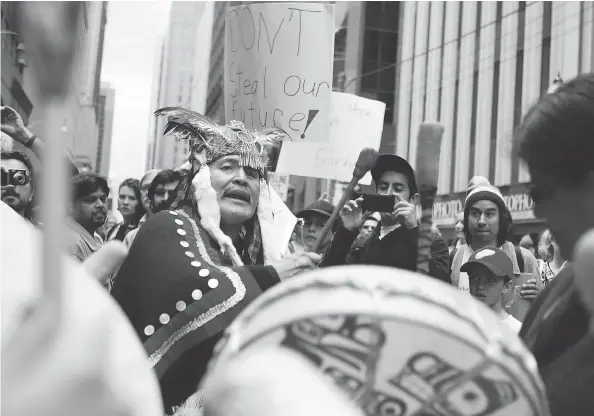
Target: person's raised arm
12,124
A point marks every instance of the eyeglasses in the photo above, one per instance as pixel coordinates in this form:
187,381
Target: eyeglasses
15,177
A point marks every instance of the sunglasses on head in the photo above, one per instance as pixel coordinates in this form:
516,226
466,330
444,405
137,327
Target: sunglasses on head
14,177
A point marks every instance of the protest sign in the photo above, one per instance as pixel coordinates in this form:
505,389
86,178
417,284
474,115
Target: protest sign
355,123
278,67
280,183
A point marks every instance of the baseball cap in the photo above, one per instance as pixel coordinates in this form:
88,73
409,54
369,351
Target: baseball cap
320,206
386,162
493,259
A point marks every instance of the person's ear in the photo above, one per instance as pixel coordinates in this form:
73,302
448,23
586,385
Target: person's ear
507,286
414,199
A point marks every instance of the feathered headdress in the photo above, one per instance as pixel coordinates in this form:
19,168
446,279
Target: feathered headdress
215,141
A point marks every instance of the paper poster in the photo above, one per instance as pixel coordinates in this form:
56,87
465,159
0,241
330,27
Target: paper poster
280,183
356,122
278,67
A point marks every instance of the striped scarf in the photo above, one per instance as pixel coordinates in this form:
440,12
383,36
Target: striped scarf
250,244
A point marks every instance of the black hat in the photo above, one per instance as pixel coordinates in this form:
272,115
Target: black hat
493,259
395,163
320,206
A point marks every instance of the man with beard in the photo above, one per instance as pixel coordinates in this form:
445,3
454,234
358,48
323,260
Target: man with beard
159,195
224,240
17,182
88,213
395,241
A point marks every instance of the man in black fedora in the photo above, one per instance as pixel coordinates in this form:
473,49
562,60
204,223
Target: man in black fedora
394,241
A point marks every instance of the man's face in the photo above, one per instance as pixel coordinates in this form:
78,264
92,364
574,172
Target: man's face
162,196
483,221
368,227
144,186
91,211
313,223
394,183
569,211
485,286
237,188
17,196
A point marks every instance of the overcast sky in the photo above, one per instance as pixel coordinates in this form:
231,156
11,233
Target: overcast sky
131,44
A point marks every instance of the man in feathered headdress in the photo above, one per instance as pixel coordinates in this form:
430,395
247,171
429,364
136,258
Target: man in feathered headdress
193,268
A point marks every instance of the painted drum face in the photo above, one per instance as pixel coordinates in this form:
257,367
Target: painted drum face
397,343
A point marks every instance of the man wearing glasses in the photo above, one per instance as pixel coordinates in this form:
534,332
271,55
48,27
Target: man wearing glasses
17,182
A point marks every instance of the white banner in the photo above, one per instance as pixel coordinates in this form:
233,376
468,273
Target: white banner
356,123
280,183
278,67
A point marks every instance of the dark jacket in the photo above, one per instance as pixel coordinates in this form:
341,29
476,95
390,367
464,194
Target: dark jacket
397,249
556,331
180,295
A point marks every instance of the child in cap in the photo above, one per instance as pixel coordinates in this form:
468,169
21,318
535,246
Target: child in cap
490,271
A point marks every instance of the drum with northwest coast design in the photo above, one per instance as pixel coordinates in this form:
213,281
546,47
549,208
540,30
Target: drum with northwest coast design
398,343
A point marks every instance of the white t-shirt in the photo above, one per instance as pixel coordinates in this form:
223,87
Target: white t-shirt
513,323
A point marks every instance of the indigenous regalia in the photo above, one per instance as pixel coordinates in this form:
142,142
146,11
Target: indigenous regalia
177,287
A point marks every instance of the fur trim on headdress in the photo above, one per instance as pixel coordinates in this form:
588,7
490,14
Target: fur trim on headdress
216,141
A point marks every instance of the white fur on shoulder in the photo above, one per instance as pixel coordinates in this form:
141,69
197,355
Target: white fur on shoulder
276,224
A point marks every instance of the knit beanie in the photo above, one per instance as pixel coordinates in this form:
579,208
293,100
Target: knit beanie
480,189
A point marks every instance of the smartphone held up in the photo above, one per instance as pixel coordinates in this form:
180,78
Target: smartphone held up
378,203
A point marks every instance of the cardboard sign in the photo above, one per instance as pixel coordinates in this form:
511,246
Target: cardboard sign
280,183
278,67
356,123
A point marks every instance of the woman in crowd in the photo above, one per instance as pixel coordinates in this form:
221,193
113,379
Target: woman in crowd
551,261
130,206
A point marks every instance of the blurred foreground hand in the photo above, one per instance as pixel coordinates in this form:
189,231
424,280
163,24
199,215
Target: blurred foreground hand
91,362
273,382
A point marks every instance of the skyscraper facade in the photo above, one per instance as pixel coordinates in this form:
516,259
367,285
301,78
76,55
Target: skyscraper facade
181,76
478,67
105,111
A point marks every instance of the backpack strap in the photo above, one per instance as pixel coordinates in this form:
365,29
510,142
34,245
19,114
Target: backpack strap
519,258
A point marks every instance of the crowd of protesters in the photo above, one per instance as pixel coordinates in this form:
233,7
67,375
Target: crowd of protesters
229,226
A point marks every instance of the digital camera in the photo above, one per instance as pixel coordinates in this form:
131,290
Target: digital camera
15,177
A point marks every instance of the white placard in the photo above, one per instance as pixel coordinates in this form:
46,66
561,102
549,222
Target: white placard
356,123
278,67
280,183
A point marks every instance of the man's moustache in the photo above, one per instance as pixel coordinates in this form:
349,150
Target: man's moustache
9,193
